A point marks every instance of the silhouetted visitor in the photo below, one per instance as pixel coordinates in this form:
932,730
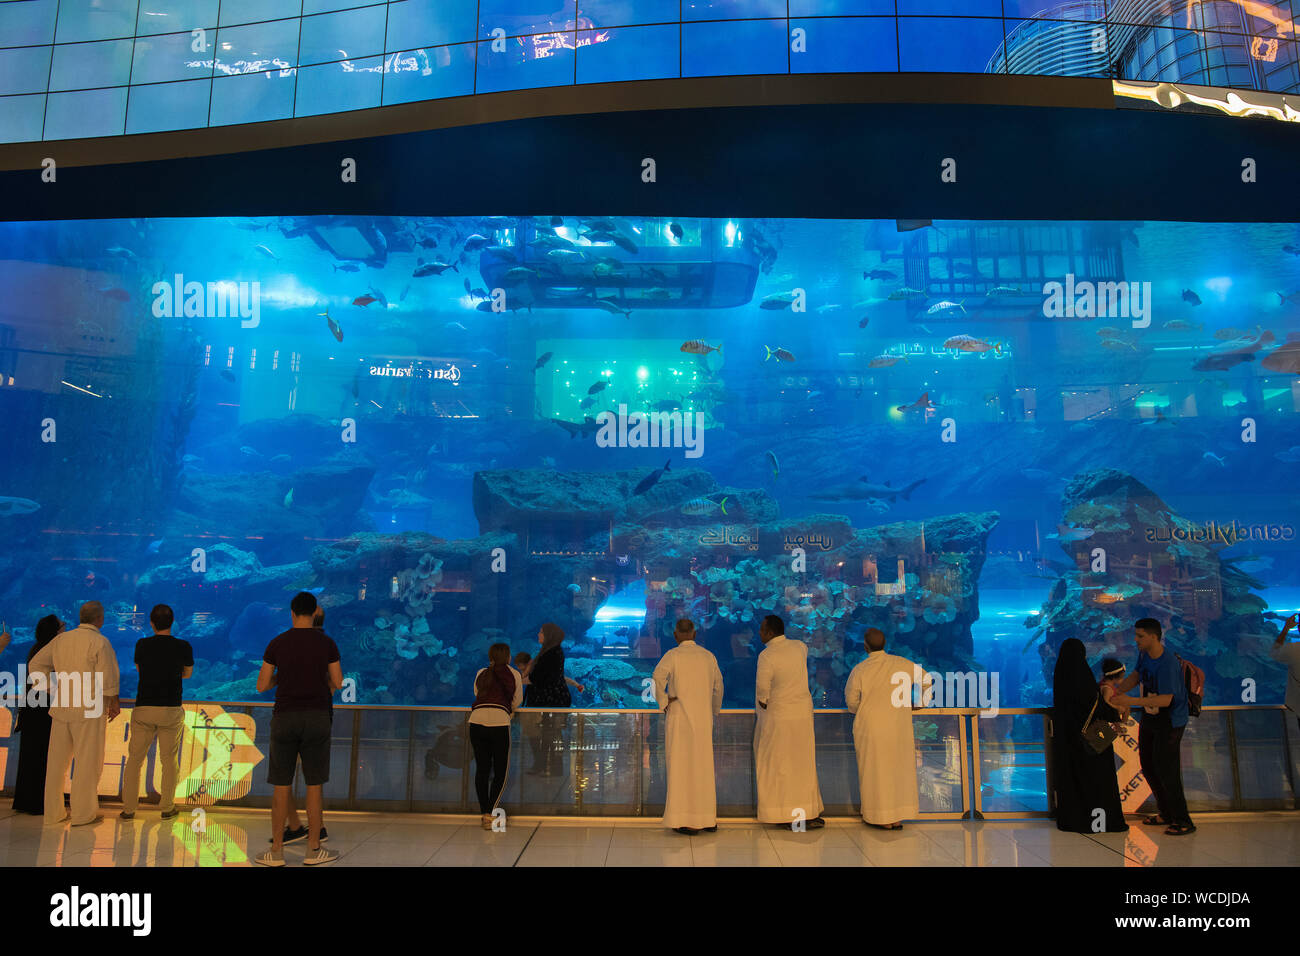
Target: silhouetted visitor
302,664
1087,790
164,662
547,688
1289,654
33,729
498,689
80,716
1160,730
688,689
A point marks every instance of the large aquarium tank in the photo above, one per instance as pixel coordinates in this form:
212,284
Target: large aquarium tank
981,437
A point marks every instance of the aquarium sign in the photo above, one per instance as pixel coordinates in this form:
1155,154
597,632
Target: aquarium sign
732,535
1227,534
450,373
822,542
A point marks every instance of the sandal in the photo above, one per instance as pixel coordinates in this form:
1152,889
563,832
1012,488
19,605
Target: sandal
1181,829
1155,821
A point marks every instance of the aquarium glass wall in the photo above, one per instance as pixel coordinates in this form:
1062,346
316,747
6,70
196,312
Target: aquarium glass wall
980,437
76,68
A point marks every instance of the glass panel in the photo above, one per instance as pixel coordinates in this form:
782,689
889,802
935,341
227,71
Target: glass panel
528,61
21,118
631,53
170,16
252,11
95,20
521,17
26,23
86,65
732,9
263,46
440,770
384,757
341,36
251,98
841,8
25,69
1013,767
865,45
158,59
335,87
744,46
417,23
947,46
1207,762
84,114
617,13
168,106
1262,760
427,74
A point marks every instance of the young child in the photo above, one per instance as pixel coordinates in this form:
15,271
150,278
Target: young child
522,661
1112,672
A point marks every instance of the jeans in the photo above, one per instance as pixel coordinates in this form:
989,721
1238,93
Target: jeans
1158,749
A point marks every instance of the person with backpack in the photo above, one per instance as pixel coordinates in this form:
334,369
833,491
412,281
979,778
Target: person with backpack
1160,731
498,689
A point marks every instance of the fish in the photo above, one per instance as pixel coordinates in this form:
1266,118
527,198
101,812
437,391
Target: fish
1231,333
379,296
575,429
191,459
699,347
1113,593
475,242
279,459
776,466
598,387
402,297
905,293
863,489
922,404
946,306
1286,357
1004,290
1109,332
968,343
699,507
573,588
862,324
17,506
657,294
1116,344
1067,534
1293,298
519,274
454,327
1211,456
652,479
911,225
782,355
624,243
336,330
347,267
876,506
1291,455
423,268
154,546
249,451
656,274
777,300
260,248
881,274
611,306
502,252
1291,248
823,309
543,359
1182,325
605,266
288,499
121,252
667,405
676,231
227,375
885,361
1192,297
587,402
565,255
1221,362
1234,352
364,300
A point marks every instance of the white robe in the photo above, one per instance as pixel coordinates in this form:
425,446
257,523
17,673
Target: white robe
785,753
883,736
689,673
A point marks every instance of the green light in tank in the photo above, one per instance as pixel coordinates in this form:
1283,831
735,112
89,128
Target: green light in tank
643,373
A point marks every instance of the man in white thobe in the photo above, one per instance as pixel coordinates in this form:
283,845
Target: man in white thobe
688,689
785,753
87,699
879,694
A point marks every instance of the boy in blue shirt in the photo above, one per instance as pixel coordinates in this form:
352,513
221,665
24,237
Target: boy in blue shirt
1160,732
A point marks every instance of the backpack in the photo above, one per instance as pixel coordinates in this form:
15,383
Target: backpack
1194,679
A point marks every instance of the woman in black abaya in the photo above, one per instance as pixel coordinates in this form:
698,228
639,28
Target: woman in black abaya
1084,780
34,735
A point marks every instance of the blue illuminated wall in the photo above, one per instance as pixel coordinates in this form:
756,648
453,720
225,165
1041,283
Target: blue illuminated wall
82,68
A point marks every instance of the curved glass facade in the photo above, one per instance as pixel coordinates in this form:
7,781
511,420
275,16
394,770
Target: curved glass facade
83,68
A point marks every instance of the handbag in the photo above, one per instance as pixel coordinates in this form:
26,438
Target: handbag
1097,734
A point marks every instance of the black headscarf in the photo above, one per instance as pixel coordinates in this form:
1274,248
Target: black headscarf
1073,686
47,629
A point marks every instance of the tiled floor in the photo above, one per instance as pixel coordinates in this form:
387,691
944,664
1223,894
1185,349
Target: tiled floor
231,837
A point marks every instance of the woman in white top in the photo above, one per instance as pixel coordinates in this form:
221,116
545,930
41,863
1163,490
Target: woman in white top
498,689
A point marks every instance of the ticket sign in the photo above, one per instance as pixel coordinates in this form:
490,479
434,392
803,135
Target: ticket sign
1133,786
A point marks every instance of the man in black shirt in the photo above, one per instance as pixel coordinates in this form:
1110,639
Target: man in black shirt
163,662
302,664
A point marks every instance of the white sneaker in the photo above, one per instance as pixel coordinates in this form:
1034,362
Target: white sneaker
319,856
270,858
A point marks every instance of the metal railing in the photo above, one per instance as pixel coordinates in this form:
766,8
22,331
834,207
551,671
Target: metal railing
610,762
